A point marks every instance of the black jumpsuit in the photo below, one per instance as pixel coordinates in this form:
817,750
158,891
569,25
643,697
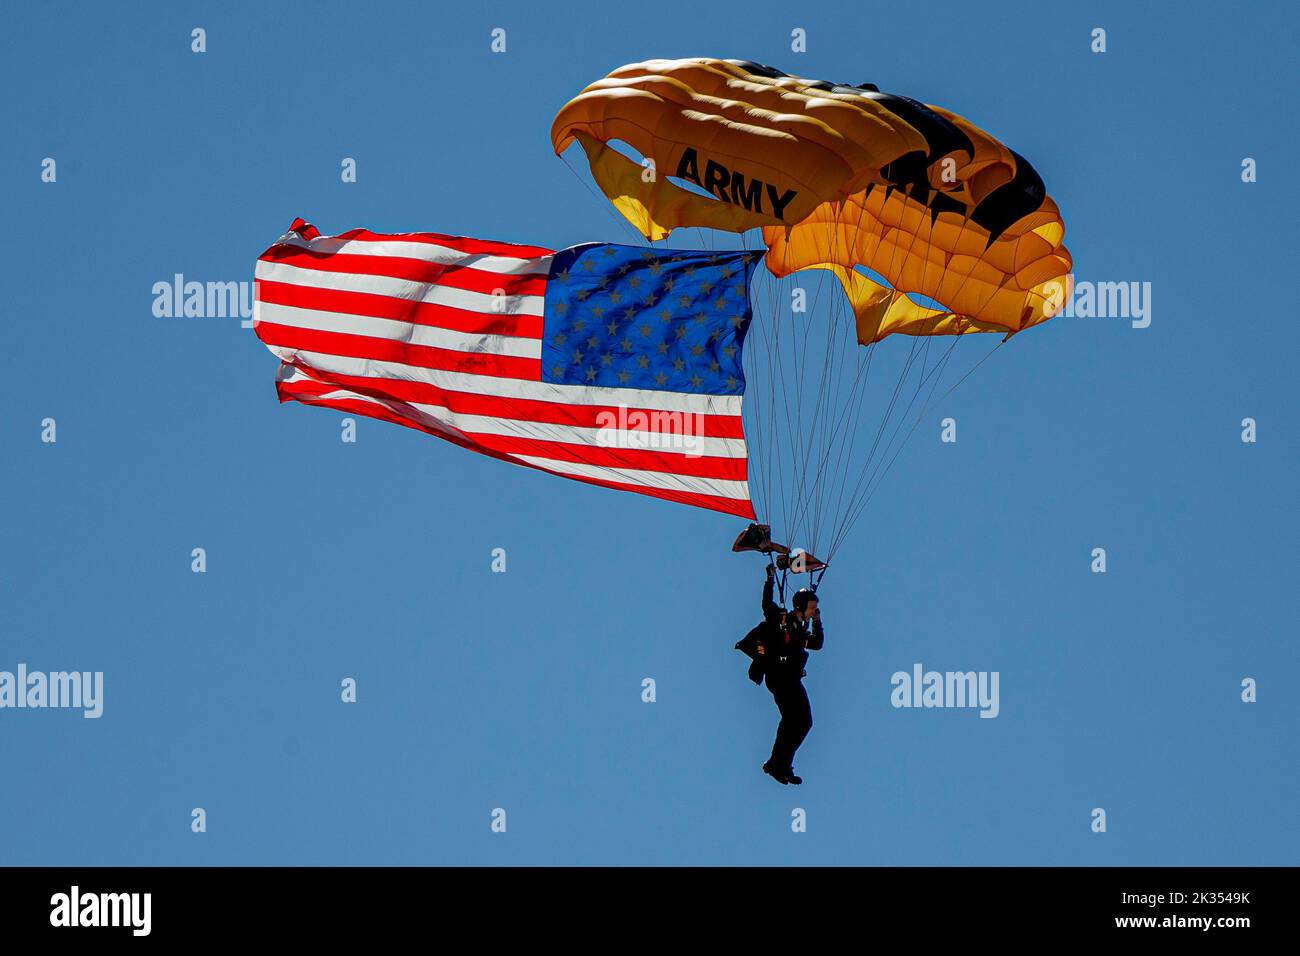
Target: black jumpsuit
785,652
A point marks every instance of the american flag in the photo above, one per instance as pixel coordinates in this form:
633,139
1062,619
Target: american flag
619,366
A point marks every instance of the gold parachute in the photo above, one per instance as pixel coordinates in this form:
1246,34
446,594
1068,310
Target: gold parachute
842,178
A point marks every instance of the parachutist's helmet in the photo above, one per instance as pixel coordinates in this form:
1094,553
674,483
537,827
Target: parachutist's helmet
802,597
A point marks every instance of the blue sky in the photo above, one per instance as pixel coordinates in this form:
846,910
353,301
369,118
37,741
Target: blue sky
522,690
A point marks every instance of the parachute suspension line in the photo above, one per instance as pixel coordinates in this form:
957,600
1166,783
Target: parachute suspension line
854,517
830,386
871,464
781,409
873,474
781,459
808,438
878,453
885,418
781,390
804,438
811,504
763,390
843,326
788,361
758,341
853,414
873,480
830,427
883,424
847,421
766,419
816,439
865,478
831,481
753,444
797,452
759,472
769,412
603,202
772,416
794,358
885,449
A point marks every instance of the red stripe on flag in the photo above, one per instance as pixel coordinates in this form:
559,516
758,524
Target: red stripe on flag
400,310
673,463
403,353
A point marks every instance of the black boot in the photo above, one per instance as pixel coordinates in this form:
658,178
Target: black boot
776,773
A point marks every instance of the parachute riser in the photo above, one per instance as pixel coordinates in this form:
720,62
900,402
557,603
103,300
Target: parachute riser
820,574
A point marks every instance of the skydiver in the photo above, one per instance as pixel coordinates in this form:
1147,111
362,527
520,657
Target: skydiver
784,639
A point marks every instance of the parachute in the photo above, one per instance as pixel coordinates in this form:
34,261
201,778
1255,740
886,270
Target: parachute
928,225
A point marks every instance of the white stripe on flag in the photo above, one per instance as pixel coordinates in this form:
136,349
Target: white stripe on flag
407,289
433,336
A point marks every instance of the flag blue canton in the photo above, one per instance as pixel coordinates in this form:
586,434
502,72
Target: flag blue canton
631,317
